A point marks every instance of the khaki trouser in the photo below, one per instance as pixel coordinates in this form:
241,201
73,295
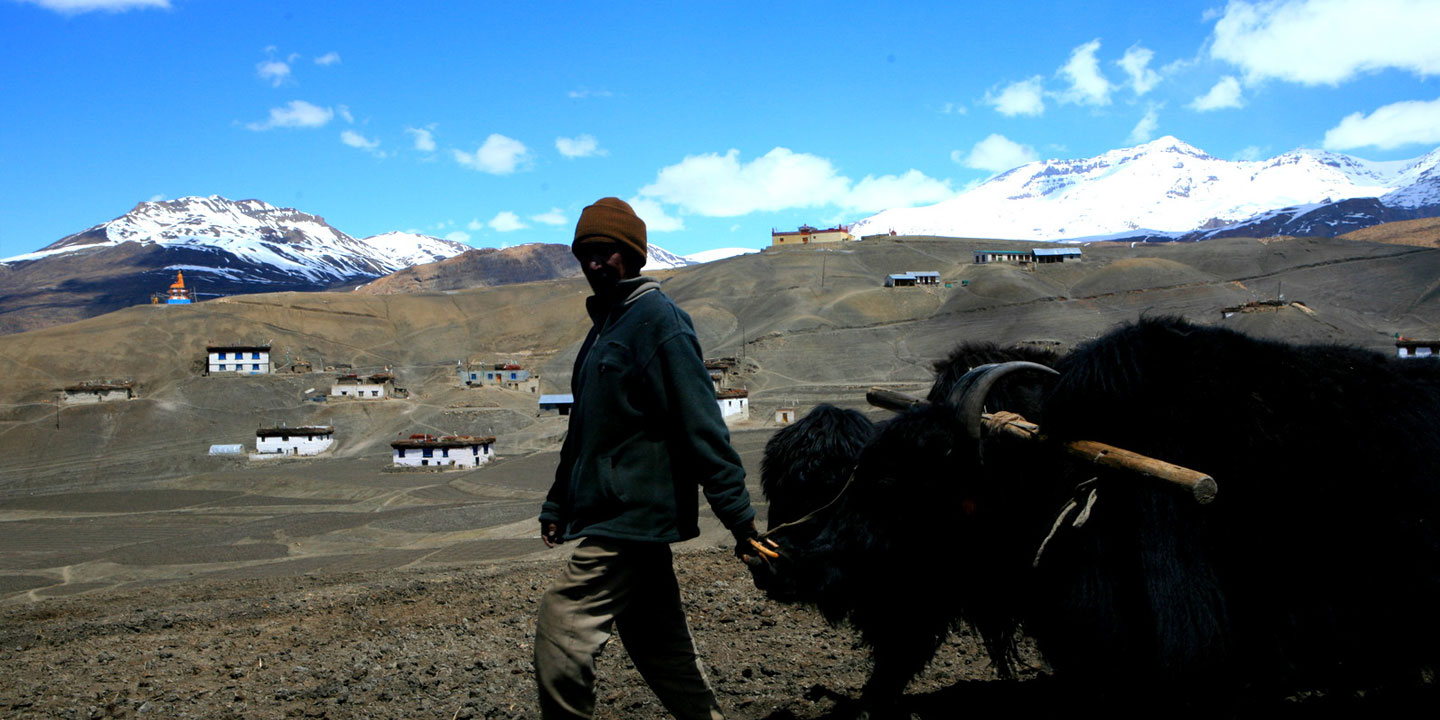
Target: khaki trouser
632,586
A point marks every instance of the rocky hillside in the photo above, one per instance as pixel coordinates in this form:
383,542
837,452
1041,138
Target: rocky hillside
480,267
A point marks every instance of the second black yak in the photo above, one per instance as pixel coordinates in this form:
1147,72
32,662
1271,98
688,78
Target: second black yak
1316,568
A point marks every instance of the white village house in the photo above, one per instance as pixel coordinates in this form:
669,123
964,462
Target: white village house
443,451
913,278
378,386
237,359
306,440
1409,348
734,404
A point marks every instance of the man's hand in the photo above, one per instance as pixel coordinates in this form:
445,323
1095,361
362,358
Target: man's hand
750,548
550,533
743,533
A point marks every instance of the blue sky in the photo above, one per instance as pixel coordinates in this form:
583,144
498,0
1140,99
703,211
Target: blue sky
495,123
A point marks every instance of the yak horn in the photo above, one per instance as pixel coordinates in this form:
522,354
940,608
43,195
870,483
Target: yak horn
969,394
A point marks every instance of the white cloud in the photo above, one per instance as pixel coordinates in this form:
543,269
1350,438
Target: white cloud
274,72
330,58
1144,131
506,221
996,153
951,108
298,114
1026,97
1326,42
551,217
579,146
1087,85
458,236
1225,94
583,93
1135,63
654,215
424,138
1396,125
499,155
76,7
715,185
344,111
720,186
157,197
356,140
893,191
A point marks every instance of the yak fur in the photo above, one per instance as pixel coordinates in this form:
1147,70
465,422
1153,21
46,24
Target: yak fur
1316,568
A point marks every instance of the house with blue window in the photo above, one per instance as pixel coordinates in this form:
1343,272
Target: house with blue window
237,360
511,377
506,372
443,451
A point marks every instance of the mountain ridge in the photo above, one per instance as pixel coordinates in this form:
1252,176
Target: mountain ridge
1167,189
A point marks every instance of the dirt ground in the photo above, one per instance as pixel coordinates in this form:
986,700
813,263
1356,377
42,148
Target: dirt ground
457,644
398,644
140,577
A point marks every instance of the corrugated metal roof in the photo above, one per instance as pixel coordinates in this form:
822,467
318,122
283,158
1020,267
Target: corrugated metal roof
1049,252
567,398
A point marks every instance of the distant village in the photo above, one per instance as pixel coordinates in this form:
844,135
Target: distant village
417,451
427,451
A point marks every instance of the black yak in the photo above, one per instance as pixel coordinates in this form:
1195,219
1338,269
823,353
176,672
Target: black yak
1317,567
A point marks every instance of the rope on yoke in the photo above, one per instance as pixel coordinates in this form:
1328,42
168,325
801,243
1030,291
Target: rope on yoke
1090,492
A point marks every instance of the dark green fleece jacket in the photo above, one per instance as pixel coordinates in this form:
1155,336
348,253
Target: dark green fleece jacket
645,429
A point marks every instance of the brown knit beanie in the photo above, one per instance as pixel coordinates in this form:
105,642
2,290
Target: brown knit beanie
612,220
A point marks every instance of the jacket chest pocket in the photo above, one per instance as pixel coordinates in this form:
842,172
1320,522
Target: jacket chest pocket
613,361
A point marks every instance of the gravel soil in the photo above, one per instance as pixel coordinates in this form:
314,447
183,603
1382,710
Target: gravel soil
456,643
408,644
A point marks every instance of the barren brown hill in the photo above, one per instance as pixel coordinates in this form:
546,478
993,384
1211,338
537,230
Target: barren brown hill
125,493
1424,232
481,267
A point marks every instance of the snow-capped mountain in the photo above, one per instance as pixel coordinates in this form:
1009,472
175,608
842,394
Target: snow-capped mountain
658,258
705,256
1162,188
251,241
402,249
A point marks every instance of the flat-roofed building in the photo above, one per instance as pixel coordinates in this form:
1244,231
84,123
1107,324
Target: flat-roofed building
237,359
557,402
807,235
458,451
1409,349
377,386
305,440
734,404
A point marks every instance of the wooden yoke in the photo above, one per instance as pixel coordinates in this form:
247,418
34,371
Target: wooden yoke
1198,485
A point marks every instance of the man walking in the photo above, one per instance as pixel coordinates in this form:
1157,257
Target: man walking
644,431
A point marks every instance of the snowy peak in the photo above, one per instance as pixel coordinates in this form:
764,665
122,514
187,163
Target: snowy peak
403,249
658,258
1165,186
1168,144
253,241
